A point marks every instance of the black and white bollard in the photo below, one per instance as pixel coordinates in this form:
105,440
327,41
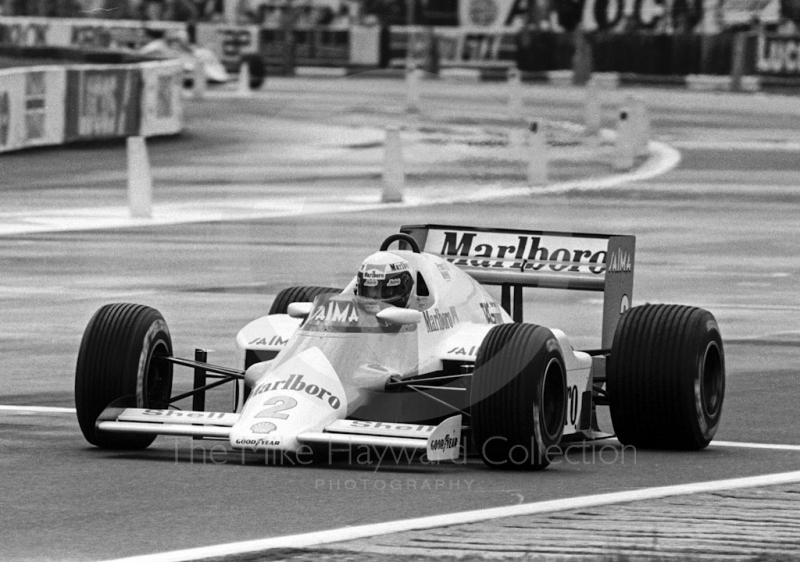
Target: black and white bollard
140,182
393,174
412,87
199,80
537,155
514,86
641,125
624,150
592,109
243,85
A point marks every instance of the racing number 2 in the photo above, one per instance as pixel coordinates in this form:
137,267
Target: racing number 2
278,405
573,405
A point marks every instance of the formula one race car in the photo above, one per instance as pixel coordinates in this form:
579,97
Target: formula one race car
415,351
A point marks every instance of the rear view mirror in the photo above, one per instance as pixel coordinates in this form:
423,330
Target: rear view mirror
400,316
299,309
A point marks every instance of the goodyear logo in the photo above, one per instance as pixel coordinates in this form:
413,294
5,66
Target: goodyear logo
445,443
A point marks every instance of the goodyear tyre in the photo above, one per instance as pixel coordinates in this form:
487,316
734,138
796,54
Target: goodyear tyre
666,377
118,359
519,397
298,294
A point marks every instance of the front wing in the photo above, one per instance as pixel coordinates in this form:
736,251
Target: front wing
441,442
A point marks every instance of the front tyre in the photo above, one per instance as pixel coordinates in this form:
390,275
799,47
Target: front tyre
519,397
298,294
118,358
666,377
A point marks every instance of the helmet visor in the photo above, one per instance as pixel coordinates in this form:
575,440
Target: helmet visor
388,289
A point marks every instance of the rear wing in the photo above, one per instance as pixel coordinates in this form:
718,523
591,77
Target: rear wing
515,259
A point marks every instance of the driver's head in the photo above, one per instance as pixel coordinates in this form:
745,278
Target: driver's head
386,277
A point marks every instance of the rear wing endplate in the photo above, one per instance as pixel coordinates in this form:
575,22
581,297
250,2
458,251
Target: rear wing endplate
514,259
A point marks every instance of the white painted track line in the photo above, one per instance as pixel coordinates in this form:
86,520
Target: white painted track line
662,159
741,445
352,533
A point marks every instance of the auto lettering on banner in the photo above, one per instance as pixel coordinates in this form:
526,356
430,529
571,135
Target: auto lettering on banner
107,103
24,32
162,109
84,32
102,34
592,14
778,55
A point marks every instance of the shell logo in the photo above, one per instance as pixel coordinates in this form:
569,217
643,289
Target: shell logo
263,427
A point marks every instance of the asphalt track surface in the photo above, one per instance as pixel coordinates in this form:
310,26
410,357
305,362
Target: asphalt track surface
719,231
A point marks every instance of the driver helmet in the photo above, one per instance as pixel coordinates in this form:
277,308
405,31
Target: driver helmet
385,277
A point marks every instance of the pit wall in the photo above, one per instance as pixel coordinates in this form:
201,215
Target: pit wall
51,105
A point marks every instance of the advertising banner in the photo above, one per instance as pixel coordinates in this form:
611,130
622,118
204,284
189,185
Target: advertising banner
745,12
25,32
102,102
162,108
115,34
79,32
559,15
623,16
31,107
463,47
45,88
778,55
229,42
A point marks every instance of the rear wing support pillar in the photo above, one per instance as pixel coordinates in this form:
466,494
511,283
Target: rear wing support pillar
507,291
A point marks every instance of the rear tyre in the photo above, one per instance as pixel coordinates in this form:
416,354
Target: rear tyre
519,397
666,377
298,294
118,358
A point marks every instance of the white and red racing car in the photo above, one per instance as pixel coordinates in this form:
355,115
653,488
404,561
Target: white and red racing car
416,354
